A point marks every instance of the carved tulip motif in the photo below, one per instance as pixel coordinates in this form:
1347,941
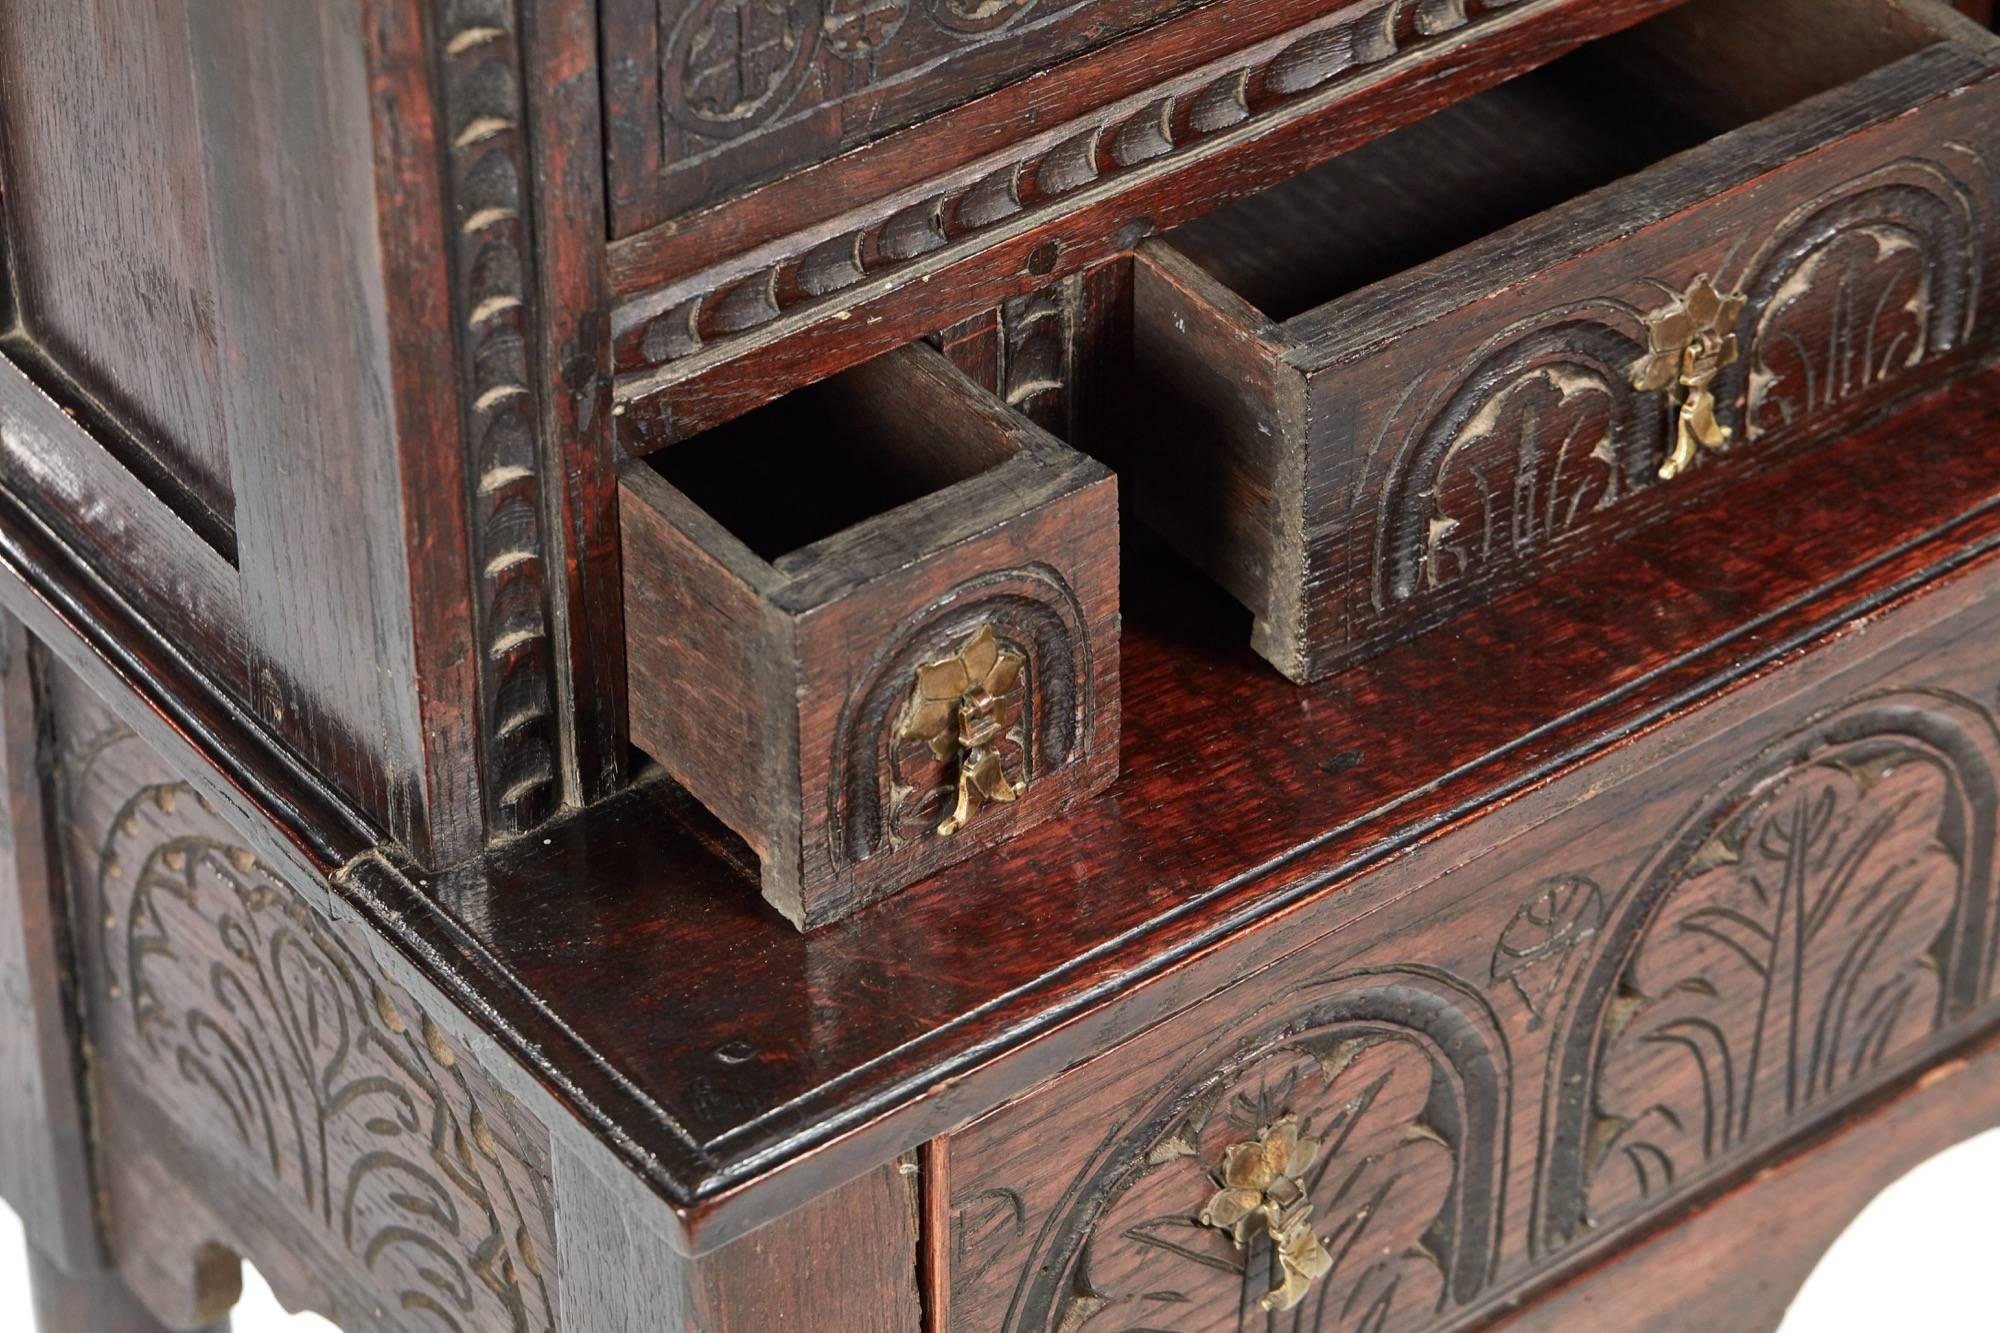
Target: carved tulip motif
1305,1185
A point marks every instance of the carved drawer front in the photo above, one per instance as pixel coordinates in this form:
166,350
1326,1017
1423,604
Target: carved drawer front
1424,372
707,96
1721,934
874,628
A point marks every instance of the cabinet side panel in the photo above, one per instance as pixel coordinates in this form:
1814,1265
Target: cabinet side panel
110,234
263,1088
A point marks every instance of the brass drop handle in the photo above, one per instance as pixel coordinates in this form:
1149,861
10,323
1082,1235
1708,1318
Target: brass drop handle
1693,340
963,706
1263,1189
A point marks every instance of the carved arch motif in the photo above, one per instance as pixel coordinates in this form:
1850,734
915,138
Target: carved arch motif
886,791
1821,913
292,1059
1857,288
1544,432
1403,1076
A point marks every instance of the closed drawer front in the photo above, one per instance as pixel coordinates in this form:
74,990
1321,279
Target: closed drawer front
1434,368
1721,934
874,628
709,96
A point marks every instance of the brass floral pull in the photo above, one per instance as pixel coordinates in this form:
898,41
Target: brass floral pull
1693,341
1263,1188
962,707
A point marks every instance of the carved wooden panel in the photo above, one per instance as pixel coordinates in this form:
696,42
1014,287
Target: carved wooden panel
708,96
1538,444
1372,456
263,1090
1616,1008
1819,914
107,240
1100,145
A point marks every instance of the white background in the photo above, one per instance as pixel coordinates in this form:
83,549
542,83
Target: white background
1921,1259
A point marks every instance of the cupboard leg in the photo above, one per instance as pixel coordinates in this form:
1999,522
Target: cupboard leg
98,1301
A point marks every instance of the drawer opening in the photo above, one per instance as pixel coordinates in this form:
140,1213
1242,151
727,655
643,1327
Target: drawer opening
830,457
1536,142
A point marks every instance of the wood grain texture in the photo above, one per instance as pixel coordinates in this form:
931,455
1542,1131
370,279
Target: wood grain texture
826,590
110,253
97,1301
1628,1001
1397,450
1241,799
75,491
709,98
1067,198
44,1141
566,190
395,359
263,1090
613,1089
1796,1206
845,1260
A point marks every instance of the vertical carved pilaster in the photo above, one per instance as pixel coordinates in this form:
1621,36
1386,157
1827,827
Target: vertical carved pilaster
492,288
1037,354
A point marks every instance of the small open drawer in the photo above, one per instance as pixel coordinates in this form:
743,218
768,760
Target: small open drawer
1427,371
873,627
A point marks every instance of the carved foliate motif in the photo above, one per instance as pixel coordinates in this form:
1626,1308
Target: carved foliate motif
1867,284
1794,958
229,1016
1537,441
1819,917
1576,412
1338,1172
1377,1183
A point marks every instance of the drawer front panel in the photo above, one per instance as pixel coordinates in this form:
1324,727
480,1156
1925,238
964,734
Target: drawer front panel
1361,440
711,95
1522,429
1637,995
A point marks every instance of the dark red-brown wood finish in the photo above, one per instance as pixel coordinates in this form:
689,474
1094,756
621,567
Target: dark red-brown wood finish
408,405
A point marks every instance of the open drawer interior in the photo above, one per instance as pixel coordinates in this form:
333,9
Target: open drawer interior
1608,111
910,593
842,454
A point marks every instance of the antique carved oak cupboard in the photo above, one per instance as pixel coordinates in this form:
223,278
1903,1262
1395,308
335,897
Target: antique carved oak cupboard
992,664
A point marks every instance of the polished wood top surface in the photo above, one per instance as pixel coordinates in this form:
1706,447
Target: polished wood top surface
725,1044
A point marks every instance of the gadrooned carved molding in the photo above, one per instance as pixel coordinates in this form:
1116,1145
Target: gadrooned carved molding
493,301
1101,147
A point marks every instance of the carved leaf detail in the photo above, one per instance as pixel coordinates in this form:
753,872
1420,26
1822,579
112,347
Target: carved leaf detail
1852,316
1378,1182
331,1084
1796,957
